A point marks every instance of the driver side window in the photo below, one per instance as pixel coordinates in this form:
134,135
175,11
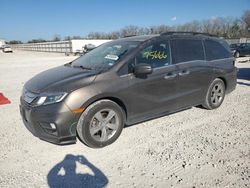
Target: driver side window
156,54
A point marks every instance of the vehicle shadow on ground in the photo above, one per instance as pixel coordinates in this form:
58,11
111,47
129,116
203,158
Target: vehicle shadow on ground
64,174
243,74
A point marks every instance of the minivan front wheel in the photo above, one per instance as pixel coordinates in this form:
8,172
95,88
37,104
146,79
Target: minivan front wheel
101,124
215,94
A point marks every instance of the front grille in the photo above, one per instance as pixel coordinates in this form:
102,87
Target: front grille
29,97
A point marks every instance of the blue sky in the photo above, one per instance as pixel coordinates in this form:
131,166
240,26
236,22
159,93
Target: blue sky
29,19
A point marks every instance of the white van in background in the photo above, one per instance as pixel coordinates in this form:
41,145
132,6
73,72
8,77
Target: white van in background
2,43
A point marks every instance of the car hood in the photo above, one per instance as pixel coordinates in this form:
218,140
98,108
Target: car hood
60,79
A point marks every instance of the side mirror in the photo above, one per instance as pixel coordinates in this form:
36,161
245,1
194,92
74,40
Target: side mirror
142,69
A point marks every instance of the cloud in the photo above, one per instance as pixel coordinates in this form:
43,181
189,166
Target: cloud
174,18
213,17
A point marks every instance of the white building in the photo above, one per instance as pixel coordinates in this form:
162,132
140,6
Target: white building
2,42
79,44
70,46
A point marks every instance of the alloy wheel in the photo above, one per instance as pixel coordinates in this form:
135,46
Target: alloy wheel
217,94
104,125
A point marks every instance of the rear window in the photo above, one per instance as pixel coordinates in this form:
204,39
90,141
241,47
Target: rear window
216,50
188,50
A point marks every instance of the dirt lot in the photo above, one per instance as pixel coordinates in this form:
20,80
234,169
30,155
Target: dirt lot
192,148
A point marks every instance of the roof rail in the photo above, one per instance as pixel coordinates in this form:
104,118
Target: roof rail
186,33
126,36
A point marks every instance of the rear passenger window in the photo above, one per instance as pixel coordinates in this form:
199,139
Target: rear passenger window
188,50
215,50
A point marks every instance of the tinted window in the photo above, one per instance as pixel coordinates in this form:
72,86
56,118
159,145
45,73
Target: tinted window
233,45
188,50
243,45
157,54
215,50
248,45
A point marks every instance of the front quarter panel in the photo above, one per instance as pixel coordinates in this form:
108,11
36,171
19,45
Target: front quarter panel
106,85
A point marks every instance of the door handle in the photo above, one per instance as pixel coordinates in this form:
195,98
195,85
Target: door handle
184,72
170,75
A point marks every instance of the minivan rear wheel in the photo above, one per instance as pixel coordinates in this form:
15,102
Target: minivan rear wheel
215,94
100,124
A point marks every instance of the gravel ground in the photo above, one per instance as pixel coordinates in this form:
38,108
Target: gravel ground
192,148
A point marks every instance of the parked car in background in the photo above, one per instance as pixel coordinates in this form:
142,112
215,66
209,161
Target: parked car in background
242,49
88,47
78,52
7,49
234,46
85,49
124,82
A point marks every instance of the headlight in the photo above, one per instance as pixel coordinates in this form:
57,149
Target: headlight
50,98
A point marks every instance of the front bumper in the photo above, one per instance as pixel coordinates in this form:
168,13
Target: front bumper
38,121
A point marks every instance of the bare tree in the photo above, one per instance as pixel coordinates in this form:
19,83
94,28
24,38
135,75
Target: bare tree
67,38
37,40
246,18
76,37
56,37
222,26
15,42
246,21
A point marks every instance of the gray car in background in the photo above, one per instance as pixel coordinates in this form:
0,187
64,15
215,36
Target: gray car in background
124,82
243,49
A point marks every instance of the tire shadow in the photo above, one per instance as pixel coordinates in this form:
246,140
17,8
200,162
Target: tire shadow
243,74
64,174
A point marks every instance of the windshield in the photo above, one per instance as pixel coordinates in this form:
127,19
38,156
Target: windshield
105,56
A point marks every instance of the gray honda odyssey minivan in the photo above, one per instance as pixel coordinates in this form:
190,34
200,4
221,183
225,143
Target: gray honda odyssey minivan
124,82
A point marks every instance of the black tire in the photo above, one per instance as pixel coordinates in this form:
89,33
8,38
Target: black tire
88,117
237,54
215,94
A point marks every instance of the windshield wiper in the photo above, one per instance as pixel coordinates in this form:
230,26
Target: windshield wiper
82,67
68,64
